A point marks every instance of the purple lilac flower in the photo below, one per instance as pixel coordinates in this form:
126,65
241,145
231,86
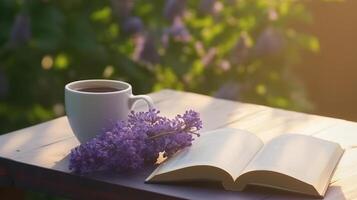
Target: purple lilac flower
179,31
210,7
207,6
133,25
146,50
241,51
229,90
21,30
174,8
129,145
209,57
270,42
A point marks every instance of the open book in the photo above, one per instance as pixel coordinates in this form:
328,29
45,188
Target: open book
237,158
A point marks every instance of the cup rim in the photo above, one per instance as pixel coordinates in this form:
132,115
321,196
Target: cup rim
71,84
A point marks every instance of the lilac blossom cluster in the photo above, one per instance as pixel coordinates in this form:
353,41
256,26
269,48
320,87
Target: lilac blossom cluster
132,144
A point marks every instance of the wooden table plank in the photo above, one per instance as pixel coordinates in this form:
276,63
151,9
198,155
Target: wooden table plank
344,132
26,139
47,145
273,122
214,113
345,188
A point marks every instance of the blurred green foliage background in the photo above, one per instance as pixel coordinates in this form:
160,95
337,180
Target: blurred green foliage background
234,49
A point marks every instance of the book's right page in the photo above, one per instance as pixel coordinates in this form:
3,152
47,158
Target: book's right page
294,162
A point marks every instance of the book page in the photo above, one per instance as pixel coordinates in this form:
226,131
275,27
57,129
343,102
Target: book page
307,159
228,149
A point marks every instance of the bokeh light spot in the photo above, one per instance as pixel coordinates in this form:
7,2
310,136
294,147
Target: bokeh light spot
47,62
61,61
108,71
261,89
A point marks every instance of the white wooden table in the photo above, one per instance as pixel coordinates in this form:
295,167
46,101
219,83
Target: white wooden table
37,157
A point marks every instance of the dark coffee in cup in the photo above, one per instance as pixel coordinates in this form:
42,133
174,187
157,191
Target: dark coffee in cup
98,89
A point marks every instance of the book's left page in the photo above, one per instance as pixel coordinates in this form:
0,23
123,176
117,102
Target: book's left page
219,155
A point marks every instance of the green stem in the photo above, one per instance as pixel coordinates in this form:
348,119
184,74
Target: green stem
170,132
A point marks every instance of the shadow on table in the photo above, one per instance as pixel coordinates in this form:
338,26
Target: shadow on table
269,193
135,179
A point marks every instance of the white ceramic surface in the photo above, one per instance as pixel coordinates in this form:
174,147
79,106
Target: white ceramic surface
90,112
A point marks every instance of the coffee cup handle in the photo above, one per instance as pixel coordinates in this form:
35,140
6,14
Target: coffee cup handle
134,98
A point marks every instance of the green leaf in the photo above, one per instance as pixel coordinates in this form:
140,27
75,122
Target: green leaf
102,15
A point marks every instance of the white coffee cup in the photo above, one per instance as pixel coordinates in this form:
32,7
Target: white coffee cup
93,105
